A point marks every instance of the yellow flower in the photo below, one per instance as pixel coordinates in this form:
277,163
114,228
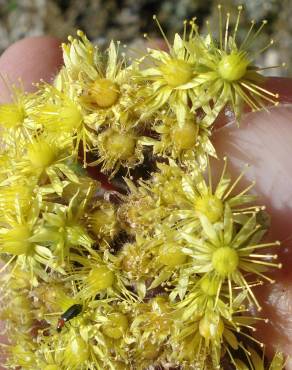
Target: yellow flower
102,86
255,361
80,57
227,71
171,81
17,239
150,329
47,161
117,148
177,198
11,191
163,272
97,276
102,222
189,141
16,118
229,254
211,334
63,229
63,118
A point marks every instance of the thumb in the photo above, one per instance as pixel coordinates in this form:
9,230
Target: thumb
264,141
30,60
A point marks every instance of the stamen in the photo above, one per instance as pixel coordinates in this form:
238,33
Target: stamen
240,7
251,293
253,339
247,86
255,104
245,41
256,53
264,22
162,32
246,190
232,187
226,31
209,175
264,263
264,90
184,30
220,27
3,268
230,294
255,271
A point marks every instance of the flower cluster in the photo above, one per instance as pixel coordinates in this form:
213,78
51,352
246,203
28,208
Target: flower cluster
155,266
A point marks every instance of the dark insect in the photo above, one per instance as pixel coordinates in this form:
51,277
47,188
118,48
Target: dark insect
69,314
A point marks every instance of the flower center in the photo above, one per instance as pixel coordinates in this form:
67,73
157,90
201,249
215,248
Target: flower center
170,255
99,278
105,92
11,115
41,154
232,67
225,261
16,241
177,72
209,287
185,137
121,146
103,222
71,117
76,353
211,326
210,206
117,325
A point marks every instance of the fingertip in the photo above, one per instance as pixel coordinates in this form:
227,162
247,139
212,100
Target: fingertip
30,60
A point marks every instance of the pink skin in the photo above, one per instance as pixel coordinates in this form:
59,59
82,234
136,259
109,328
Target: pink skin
264,140
30,59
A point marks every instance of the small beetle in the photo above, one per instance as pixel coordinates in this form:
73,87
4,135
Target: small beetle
69,314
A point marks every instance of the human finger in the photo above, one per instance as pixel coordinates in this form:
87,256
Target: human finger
29,60
264,141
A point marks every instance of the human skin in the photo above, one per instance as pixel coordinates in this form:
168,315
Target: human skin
264,140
